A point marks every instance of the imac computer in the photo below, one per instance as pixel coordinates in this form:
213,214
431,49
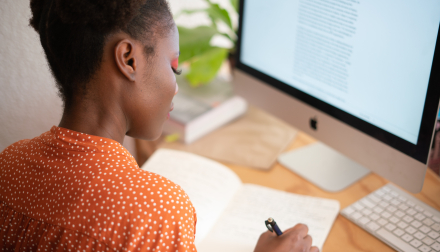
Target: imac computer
362,77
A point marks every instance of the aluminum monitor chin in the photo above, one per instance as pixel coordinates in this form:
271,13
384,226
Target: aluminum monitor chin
367,73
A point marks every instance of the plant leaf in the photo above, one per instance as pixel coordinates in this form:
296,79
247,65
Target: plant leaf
234,4
195,41
216,12
204,68
189,12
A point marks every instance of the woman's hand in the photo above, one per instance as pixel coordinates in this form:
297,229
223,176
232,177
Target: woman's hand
293,239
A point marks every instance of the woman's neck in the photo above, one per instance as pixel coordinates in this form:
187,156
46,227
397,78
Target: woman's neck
98,116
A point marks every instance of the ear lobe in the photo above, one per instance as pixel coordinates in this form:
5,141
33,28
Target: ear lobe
125,59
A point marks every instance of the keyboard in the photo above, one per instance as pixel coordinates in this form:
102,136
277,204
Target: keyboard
398,219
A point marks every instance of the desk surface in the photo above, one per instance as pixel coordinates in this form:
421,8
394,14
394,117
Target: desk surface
344,236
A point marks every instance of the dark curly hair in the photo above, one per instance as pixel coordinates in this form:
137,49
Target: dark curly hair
73,34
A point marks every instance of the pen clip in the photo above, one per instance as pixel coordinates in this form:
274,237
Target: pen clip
268,225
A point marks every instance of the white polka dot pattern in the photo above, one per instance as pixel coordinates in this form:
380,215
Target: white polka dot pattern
69,191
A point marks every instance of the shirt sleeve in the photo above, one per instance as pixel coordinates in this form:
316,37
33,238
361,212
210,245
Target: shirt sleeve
161,218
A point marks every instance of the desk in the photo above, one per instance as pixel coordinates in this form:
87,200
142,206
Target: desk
344,236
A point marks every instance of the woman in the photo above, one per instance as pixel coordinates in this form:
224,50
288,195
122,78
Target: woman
75,187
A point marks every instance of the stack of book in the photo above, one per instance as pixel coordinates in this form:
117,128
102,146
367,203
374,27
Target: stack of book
200,110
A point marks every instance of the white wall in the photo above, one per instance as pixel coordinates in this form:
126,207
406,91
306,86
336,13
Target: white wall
29,104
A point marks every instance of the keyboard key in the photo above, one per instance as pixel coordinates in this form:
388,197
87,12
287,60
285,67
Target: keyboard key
366,211
410,230
438,239
407,237
419,216
373,226
433,234
394,219
419,235
410,203
391,238
436,246
390,227
384,204
401,198
373,198
425,229
399,214
402,225
379,193
427,240
387,197
415,243
374,216
394,194
378,209
427,213
419,208
358,206
367,203
399,232
395,202
403,206
411,211
436,227
385,214
428,222
408,219
382,222
391,209
364,220
436,219
386,189
425,248
416,224
348,210
356,215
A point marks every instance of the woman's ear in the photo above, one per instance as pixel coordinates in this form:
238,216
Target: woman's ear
125,58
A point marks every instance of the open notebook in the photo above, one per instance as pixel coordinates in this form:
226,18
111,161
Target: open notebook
230,214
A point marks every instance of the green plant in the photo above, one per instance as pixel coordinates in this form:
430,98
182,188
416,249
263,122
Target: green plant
203,59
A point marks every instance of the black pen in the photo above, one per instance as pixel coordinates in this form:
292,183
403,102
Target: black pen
272,226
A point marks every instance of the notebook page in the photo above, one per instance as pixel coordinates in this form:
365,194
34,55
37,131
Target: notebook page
241,224
209,185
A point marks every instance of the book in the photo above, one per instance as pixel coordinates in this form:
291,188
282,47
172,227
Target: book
198,111
231,214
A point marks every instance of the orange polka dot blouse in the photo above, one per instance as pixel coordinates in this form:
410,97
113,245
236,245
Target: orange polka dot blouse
69,191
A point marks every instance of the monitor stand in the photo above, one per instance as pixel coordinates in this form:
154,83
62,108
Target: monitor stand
323,166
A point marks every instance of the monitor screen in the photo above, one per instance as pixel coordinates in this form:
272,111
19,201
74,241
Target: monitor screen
372,66
369,59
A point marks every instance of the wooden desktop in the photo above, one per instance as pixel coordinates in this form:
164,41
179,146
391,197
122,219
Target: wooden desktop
344,235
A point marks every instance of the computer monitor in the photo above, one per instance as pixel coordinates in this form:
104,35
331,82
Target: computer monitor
363,77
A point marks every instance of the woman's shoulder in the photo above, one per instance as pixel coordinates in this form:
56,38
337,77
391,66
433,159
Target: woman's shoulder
131,182
23,147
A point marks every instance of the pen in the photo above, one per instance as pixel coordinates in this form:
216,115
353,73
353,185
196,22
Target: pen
272,226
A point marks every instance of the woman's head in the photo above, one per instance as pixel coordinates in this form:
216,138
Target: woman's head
134,41
73,34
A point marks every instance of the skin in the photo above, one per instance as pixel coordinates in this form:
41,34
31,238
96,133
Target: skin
294,239
132,95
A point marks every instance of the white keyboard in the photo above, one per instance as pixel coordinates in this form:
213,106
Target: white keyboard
398,219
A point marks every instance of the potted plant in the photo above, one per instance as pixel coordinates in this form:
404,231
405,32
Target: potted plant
201,59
